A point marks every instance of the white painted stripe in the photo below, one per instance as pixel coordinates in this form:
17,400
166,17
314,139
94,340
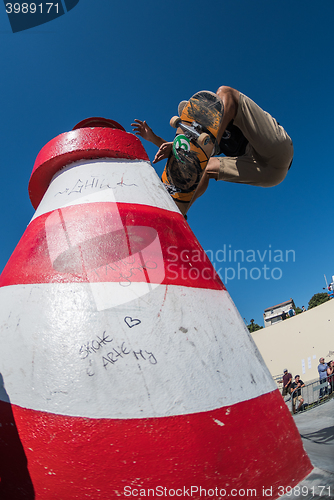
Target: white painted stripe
106,180
176,350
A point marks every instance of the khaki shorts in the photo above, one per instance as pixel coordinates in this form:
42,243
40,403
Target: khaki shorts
268,154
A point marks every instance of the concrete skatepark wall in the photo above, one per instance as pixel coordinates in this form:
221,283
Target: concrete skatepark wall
298,342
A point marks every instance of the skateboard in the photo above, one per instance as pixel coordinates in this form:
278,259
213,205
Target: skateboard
195,142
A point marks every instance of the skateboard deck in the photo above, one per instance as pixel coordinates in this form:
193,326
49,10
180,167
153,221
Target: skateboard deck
194,143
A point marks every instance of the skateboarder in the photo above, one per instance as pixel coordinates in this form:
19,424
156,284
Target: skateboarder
257,149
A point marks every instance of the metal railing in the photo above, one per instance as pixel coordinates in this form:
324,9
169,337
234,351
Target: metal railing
313,394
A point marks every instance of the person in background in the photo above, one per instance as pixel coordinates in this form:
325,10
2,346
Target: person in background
322,370
296,387
287,380
330,376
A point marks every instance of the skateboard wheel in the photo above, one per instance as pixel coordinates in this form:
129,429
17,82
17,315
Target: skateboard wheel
174,122
203,139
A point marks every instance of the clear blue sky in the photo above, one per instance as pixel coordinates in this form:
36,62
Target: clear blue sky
130,59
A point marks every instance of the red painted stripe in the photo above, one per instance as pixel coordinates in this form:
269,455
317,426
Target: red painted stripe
72,457
78,145
110,242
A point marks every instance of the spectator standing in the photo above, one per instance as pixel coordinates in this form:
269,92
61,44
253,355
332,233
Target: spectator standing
322,370
330,376
287,380
297,393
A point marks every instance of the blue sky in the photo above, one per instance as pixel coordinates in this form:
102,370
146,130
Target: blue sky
131,59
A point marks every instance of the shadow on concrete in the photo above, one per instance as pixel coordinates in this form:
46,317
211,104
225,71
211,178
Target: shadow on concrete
15,480
323,436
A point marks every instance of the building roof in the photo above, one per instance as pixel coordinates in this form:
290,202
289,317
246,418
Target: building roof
279,305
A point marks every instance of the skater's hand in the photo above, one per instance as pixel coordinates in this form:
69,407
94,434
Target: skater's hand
142,129
164,152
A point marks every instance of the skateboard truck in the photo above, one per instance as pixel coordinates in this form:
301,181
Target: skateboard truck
192,132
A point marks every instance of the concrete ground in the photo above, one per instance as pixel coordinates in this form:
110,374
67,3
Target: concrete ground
316,428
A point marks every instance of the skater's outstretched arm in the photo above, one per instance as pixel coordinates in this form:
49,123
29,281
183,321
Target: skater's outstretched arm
141,128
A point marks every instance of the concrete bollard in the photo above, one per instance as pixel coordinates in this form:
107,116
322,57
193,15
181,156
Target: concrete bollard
126,368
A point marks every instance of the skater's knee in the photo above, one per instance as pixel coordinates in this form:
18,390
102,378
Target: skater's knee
225,90
229,96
